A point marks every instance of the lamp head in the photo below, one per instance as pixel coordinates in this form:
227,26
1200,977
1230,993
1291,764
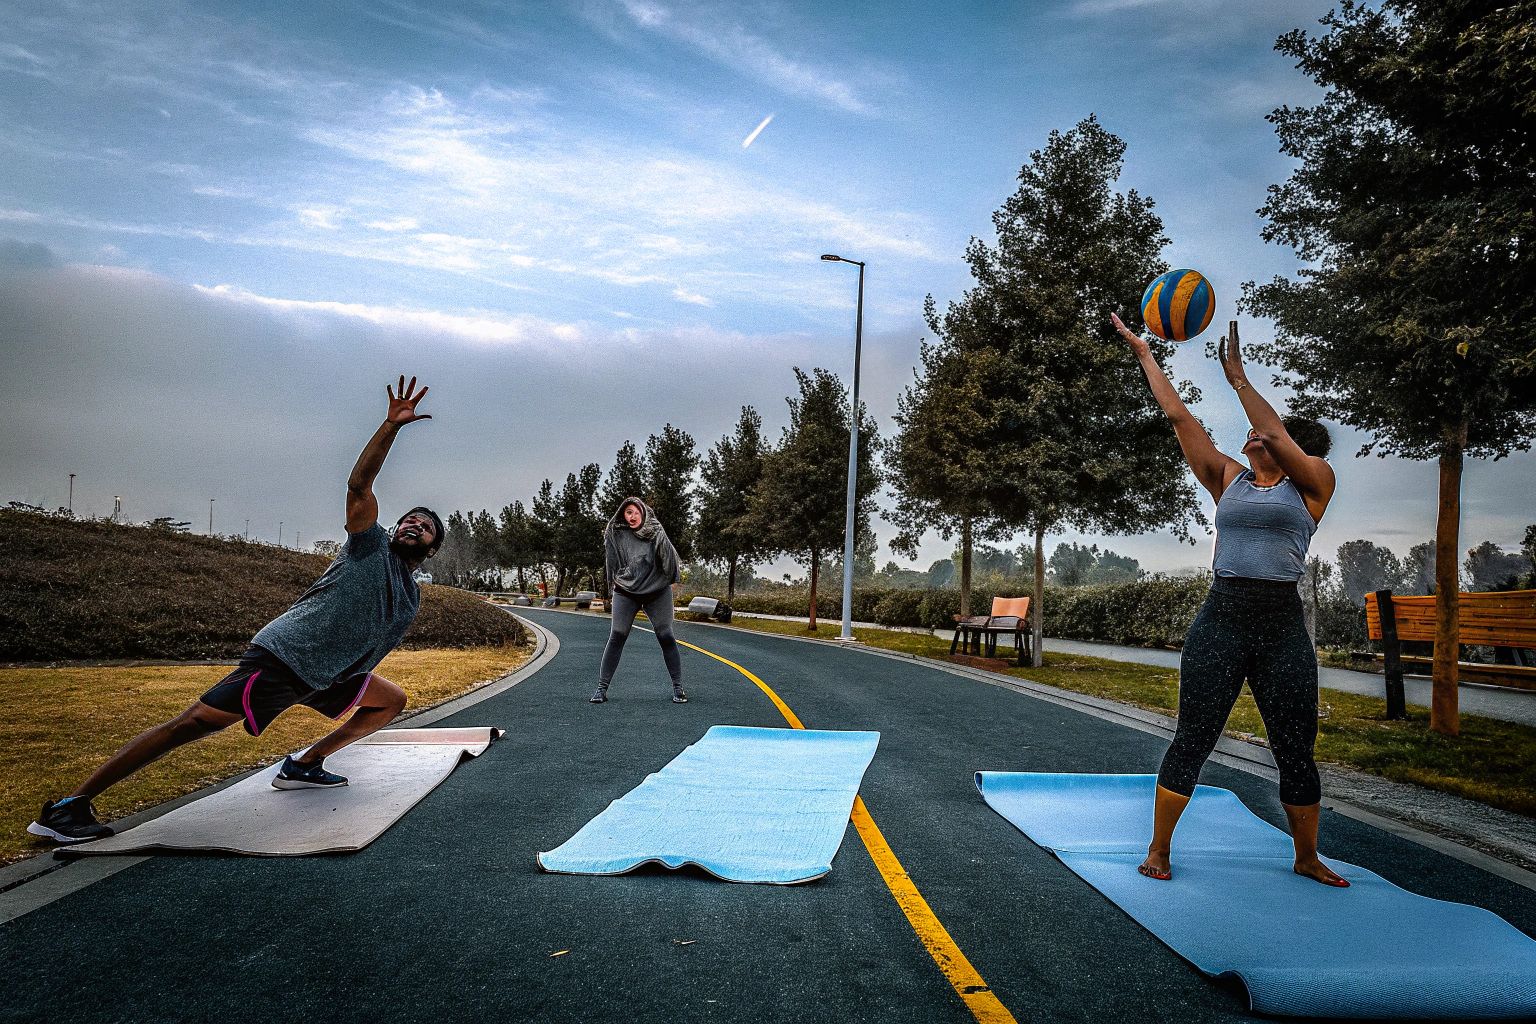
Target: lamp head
832,259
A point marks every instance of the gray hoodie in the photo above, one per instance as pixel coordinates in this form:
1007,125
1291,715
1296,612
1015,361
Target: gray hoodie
640,561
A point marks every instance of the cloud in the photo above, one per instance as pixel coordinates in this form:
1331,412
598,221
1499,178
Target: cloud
736,48
19,255
484,328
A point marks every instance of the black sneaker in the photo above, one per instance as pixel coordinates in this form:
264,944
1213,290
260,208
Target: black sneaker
601,696
69,821
678,696
294,775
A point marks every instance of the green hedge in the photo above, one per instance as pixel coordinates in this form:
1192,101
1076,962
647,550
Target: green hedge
1154,612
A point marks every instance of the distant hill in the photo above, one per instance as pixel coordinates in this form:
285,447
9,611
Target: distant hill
73,590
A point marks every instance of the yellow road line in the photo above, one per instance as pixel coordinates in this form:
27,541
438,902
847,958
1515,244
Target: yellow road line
967,981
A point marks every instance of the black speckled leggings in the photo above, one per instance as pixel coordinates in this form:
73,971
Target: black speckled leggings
1253,630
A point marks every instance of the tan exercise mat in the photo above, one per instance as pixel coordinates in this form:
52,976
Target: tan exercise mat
388,773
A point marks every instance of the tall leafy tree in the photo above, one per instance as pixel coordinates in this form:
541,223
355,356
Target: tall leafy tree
625,480
730,471
578,529
519,542
800,504
1414,204
543,525
1075,437
938,461
670,461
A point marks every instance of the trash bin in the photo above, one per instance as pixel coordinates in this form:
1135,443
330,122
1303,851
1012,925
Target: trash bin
585,598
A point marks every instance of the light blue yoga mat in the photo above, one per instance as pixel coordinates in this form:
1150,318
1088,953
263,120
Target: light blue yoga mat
746,805
1235,907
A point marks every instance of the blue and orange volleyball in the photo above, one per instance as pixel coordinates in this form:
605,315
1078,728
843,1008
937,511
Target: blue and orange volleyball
1178,305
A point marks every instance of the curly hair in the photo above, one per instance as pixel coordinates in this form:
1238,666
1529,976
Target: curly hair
1309,434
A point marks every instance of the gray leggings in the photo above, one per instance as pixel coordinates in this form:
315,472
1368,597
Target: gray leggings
658,608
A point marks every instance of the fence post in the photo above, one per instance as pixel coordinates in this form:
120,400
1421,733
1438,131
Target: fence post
1392,656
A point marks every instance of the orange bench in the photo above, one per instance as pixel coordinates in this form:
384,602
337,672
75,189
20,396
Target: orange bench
981,631
1495,618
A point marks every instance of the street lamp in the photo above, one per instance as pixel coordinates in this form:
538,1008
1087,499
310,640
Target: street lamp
210,517
853,454
71,492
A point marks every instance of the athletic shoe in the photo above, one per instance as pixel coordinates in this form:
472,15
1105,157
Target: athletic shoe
294,775
601,696
678,696
69,821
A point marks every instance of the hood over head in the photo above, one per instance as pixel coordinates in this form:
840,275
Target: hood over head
649,524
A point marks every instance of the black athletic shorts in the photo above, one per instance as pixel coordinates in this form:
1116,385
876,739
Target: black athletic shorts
263,687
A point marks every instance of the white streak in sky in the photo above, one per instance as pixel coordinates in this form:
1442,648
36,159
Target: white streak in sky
757,131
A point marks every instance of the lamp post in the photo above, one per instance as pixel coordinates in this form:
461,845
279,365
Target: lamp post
71,492
853,455
210,517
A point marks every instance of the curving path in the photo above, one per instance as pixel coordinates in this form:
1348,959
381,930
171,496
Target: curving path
445,917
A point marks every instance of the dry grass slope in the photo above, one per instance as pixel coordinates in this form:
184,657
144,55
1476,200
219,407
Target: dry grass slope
74,590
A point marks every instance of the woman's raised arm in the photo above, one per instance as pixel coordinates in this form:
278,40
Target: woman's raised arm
1213,469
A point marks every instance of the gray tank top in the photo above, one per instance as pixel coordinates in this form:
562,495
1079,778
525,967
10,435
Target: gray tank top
1262,533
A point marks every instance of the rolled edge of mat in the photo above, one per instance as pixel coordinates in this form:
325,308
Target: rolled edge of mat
539,858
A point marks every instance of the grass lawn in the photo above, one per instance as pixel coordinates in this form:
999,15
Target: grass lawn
60,723
1491,761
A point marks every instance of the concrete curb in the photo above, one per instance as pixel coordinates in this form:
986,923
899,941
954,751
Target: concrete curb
38,881
1247,757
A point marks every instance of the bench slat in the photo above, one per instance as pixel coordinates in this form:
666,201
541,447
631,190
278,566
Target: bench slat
1499,619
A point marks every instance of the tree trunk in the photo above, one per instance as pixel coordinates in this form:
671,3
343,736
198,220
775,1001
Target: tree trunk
1443,712
815,568
730,584
559,580
522,588
965,566
1037,611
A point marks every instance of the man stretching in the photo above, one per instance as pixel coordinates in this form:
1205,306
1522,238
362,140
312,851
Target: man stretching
319,653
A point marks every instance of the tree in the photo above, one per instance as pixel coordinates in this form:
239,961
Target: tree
800,505
625,480
1490,567
577,536
1365,568
1414,203
543,524
519,541
1419,569
731,470
1075,437
937,462
670,460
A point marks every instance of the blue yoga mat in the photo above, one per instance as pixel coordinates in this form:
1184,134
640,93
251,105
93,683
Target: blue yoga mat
1234,906
746,805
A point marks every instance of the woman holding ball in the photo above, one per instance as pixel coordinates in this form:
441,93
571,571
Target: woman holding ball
1251,626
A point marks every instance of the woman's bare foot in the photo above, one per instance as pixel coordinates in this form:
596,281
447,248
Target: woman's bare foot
1320,872
1156,866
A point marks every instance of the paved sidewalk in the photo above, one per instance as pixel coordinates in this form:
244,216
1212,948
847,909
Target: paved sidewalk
1499,702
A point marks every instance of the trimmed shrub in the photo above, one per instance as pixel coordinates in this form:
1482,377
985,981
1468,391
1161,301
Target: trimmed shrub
1153,612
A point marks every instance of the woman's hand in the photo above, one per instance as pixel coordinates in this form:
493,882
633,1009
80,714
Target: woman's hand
1138,343
1232,359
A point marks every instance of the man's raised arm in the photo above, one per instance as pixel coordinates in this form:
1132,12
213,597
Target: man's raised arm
362,506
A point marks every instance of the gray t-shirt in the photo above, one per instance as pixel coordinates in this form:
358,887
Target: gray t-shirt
353,615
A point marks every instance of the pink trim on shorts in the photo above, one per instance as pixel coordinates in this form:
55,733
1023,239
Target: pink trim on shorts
360,691
245,702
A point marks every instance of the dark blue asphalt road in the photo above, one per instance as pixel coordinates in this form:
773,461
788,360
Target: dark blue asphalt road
445,917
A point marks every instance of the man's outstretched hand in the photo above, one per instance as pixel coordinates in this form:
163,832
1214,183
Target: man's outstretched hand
402,406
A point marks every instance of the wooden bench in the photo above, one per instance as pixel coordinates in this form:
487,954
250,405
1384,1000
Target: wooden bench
1496,618
981,631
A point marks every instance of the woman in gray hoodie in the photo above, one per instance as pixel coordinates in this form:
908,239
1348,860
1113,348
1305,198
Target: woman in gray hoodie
642,566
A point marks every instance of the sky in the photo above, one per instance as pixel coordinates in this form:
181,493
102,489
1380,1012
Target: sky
225,226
